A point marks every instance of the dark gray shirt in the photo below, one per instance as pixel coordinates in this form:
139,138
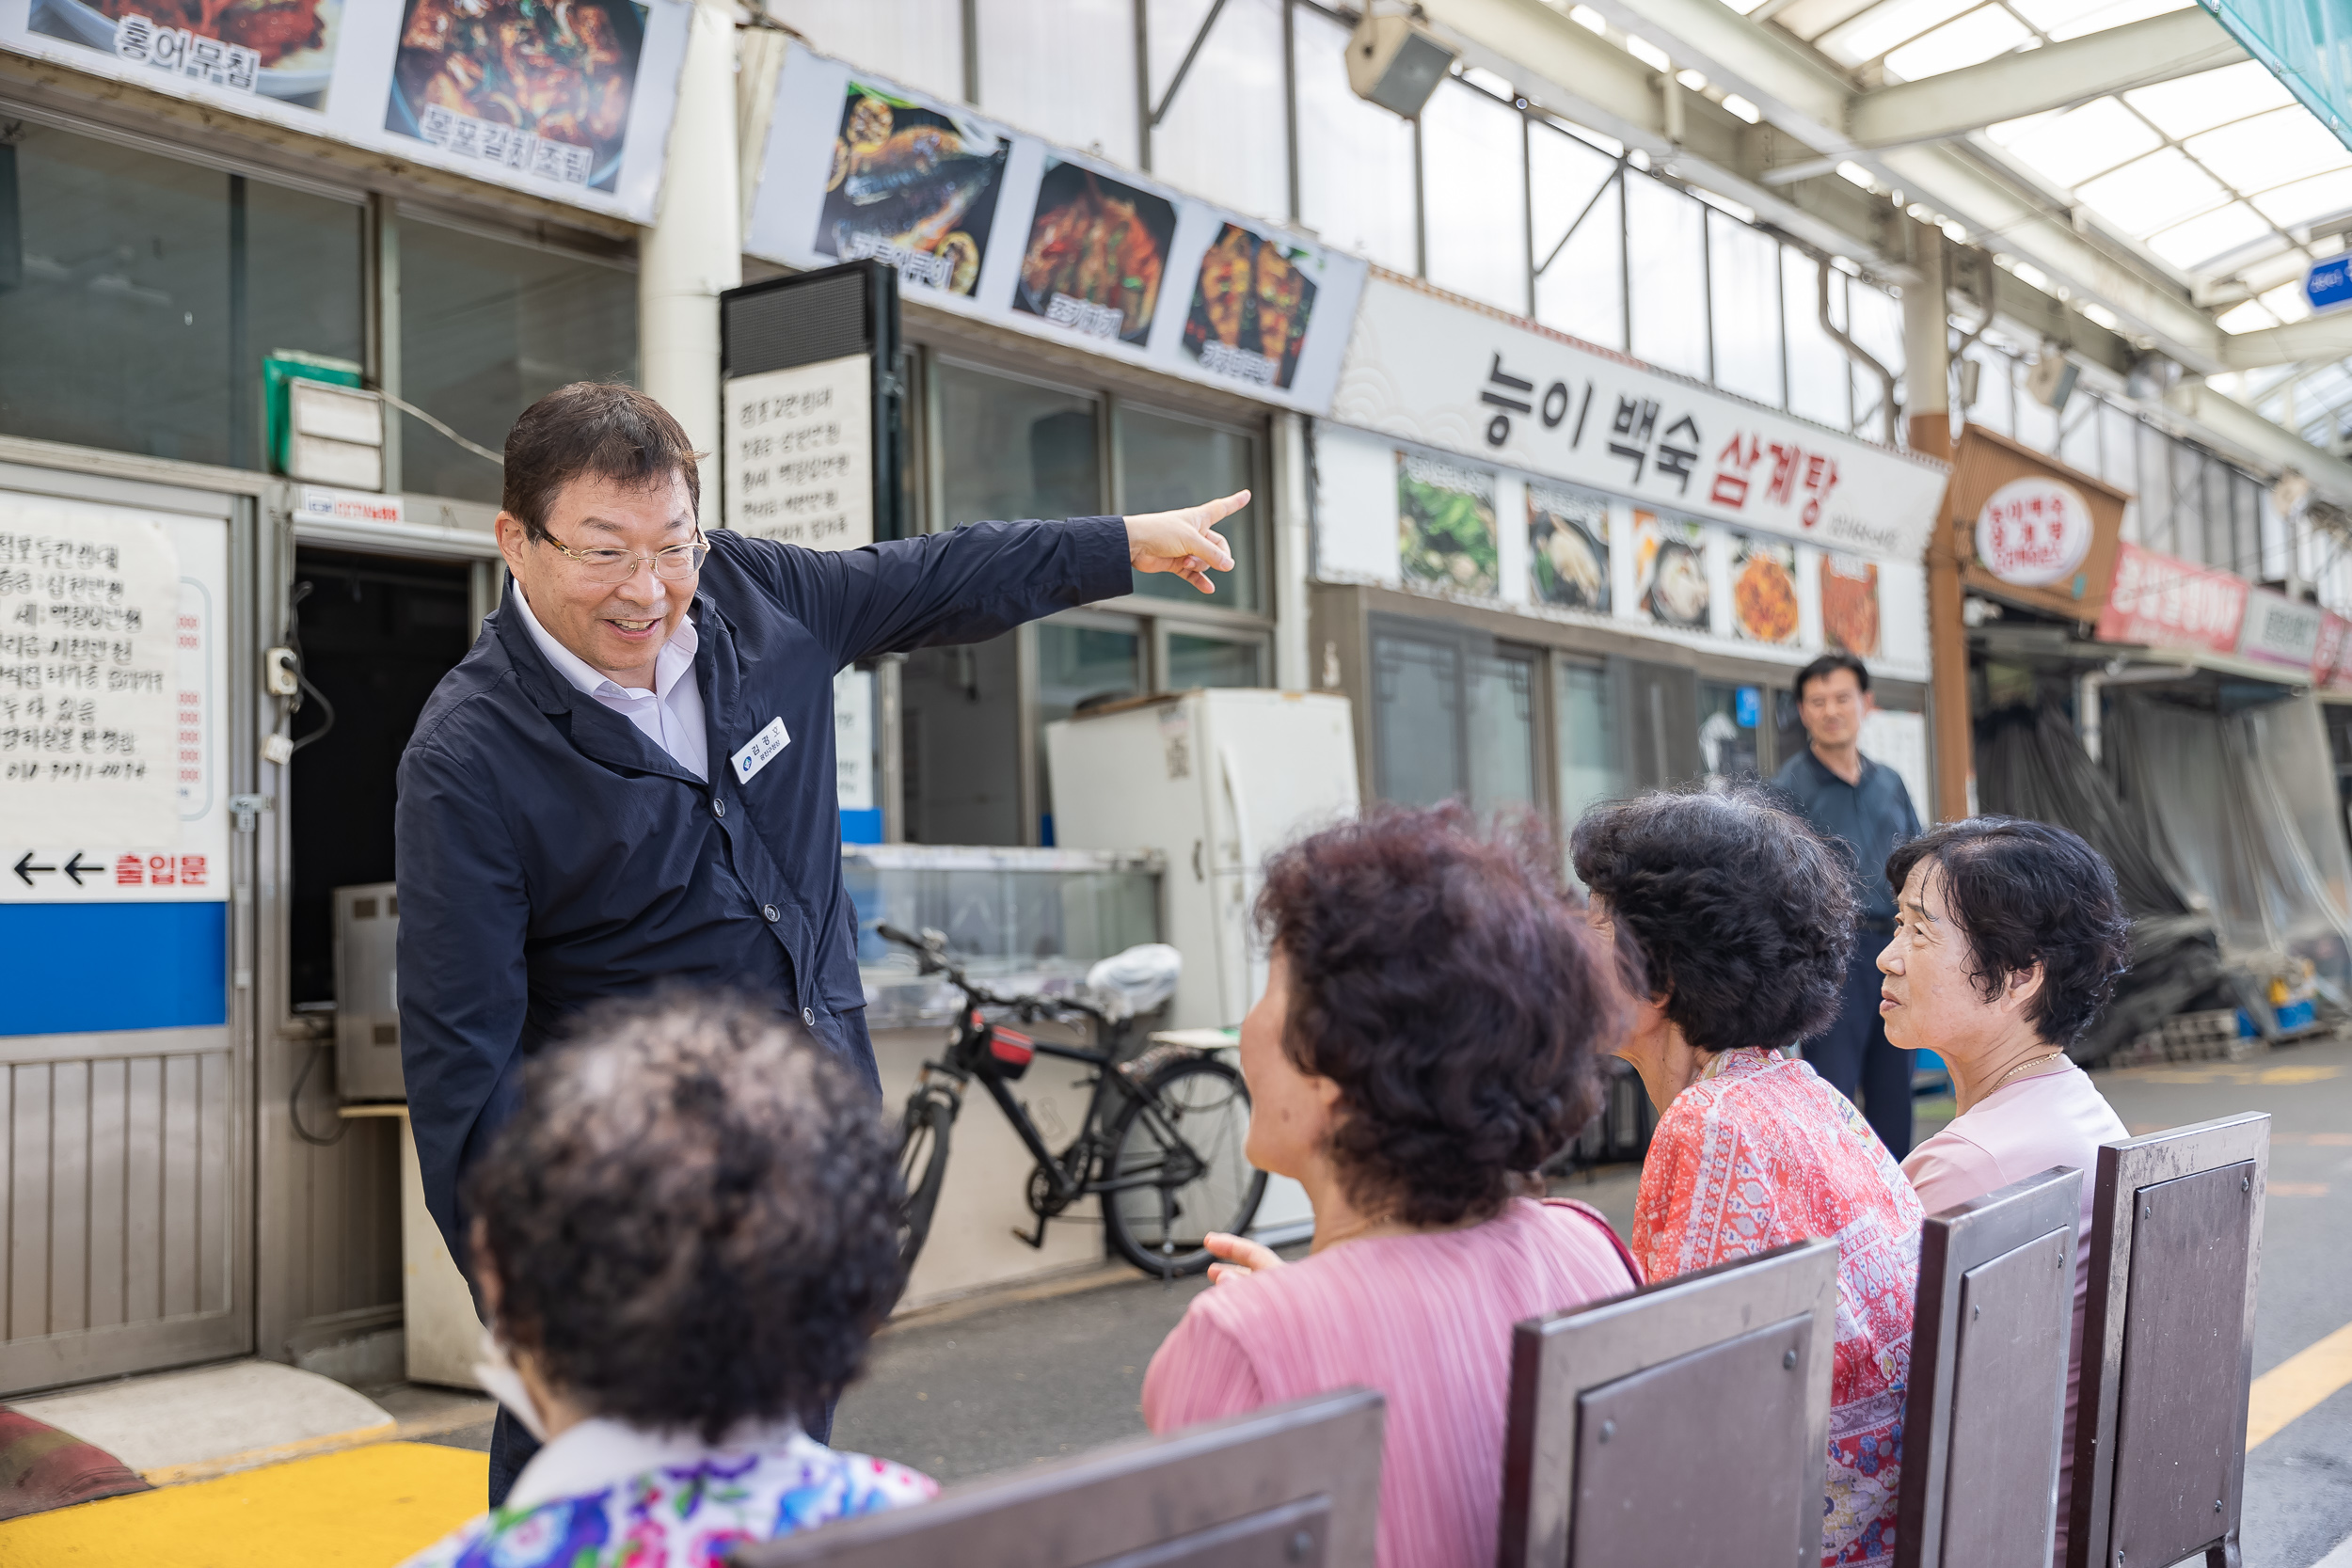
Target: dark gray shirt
1872,816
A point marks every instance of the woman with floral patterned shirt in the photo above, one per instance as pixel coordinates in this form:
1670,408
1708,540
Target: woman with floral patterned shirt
684,1240
1738,918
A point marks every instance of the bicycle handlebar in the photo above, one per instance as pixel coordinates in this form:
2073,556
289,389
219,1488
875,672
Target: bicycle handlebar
935,958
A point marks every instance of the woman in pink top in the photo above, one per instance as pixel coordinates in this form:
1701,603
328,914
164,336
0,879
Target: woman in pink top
1427,1037
2009,937
1741,919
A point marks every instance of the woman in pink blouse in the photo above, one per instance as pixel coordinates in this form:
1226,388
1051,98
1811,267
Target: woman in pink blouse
2009,937
1426,1038
1743,919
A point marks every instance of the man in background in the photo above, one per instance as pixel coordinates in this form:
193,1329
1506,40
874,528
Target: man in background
1863,803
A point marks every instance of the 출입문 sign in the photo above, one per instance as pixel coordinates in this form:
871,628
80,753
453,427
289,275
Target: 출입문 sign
984,221
1447,373
569,101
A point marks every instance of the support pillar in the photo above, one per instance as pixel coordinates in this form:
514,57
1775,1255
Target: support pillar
696,246
1927,356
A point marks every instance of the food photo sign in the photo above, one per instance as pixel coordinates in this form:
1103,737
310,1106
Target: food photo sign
569,101
983,220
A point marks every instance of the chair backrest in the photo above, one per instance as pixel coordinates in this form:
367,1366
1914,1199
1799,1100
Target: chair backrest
1686,1423
1291,1484
2169,1345
1987,1404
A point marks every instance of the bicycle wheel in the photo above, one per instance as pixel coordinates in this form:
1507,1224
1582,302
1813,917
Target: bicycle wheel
930,1115
1179,1143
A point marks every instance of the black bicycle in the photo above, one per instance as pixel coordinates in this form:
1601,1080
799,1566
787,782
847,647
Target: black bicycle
1161,1144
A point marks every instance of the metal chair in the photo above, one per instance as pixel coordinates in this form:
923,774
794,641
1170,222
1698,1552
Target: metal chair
1987,1403
2169,1346
1295,1484
1684,1424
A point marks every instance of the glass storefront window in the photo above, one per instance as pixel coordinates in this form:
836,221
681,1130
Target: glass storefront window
960,726
1009,448
1729,717
1080,662
486,328
1166,462
1584,725
1212,661
138,296
1454,716
1500,711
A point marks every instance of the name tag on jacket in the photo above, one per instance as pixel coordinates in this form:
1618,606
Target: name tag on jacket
759,751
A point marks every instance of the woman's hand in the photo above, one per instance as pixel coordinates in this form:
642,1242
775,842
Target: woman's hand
1184,542
1242,1257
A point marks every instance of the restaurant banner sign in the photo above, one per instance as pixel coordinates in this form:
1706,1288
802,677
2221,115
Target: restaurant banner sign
2161,601
988,222
1447,373
571,102
2283,631
2030,529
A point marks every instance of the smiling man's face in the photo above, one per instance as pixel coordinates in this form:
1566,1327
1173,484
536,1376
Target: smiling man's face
618,628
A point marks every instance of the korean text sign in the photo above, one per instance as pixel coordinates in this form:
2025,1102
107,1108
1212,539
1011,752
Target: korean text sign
2163,602
1447,374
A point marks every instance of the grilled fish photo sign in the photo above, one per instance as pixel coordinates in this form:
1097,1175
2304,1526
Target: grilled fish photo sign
983,221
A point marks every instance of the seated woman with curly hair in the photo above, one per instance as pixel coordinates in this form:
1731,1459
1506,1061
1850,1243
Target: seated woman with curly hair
1426,1039
684,1240
1740,918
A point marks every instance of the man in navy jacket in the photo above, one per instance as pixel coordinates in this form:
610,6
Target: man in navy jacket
629,779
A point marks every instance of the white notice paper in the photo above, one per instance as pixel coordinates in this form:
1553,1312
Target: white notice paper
799,453
1899,740
853,737
89,674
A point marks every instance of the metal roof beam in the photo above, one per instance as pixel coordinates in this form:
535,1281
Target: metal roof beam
1804,95
2320,338
2055,76
1581,77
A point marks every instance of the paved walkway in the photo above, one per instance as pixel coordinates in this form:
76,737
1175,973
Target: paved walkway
1001,1386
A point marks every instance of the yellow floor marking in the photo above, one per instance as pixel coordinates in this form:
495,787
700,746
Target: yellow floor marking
2231,1073
2298,1383
363,1508
2296,1189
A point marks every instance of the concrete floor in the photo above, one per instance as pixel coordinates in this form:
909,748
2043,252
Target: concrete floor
990,1388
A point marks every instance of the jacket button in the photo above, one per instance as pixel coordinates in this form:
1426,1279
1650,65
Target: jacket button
717,808
768,909
808,1016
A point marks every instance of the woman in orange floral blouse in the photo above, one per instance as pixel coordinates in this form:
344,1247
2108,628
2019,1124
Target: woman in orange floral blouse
1740,918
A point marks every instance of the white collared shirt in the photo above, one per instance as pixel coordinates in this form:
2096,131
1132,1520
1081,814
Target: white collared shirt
670,716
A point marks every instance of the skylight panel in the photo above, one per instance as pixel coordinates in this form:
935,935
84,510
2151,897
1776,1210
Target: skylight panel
1886,26
1810,19
2248,317
1972,39
2152,193
2323,196
2286,302
2183,108
2270,149
2071,148
2086,20
2189,246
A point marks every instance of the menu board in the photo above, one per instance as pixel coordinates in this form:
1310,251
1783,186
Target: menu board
1670,564
113,704
988,222
1568,536
1764,590
1850,604
1445,524
571,101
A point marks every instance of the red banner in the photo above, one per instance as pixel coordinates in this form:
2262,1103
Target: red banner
2163,602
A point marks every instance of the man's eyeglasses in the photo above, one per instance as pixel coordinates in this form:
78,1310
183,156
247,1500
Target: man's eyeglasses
675,565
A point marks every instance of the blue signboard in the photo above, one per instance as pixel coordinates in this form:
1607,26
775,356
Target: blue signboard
2328,283
1747,706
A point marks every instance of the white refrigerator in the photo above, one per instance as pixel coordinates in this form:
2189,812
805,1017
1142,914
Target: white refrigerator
1216,780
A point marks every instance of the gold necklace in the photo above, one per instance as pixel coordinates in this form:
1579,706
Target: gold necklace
2020,1067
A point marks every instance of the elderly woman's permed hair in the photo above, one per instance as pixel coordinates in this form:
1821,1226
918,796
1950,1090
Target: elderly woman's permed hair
1445,979
1733,908
693,1217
